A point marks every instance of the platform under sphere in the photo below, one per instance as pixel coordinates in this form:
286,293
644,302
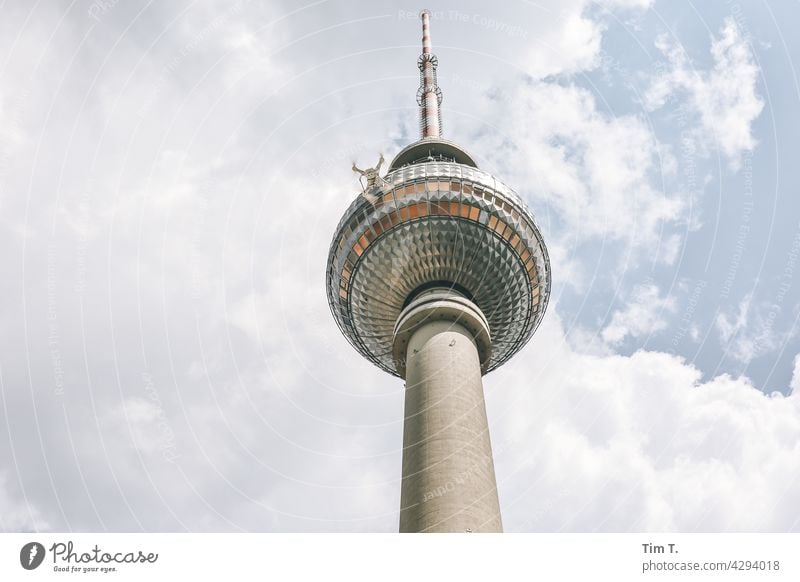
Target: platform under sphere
437,223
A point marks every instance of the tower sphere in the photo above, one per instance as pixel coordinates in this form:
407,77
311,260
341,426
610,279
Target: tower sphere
437,221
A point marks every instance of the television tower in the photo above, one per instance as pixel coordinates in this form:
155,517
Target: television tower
438,274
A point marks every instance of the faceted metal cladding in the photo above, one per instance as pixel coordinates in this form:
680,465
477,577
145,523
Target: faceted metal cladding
433,224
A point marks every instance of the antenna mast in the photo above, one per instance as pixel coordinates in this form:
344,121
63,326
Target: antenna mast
429,96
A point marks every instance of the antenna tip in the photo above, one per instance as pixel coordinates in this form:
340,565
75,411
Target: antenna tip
424,12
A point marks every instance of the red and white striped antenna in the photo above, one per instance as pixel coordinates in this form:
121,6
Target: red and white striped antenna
429,96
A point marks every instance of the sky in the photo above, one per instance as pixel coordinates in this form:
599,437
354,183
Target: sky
171,175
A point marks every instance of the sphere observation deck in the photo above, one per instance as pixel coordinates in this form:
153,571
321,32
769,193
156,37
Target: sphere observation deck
437,221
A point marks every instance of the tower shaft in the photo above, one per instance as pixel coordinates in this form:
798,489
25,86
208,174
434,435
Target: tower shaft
448,474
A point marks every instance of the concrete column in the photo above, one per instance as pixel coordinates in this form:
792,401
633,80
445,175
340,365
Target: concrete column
448,473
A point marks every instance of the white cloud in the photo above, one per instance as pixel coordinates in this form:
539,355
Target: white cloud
595,169
729,324
669,249
639,443
749,331
724,97
643,315
795,383
149,426
571,40
640,4
574,46
17,513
